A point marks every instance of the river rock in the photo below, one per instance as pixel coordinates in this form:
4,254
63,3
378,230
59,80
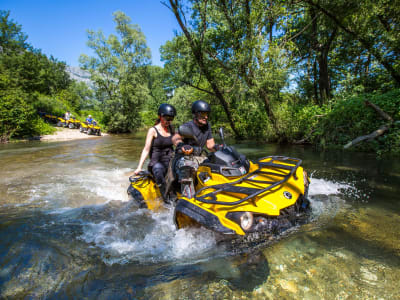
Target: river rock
289,286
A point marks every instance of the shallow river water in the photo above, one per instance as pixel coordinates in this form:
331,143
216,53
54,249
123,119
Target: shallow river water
68,231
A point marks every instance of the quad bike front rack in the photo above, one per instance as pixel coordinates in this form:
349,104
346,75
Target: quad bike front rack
279,166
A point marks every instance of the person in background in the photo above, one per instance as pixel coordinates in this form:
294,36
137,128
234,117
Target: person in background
67,115
158,146
89,119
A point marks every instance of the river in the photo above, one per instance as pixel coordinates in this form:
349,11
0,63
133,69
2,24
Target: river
68,231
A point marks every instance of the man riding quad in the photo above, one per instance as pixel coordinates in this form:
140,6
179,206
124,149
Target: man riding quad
89,119
190,147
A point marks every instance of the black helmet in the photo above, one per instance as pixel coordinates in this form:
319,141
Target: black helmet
200,105
166,110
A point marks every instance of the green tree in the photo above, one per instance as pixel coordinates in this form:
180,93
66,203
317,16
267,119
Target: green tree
11,36
26,75
232,52
118,72
158,87
374,24
86,97
15,110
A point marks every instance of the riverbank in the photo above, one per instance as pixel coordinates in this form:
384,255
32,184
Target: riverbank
66,134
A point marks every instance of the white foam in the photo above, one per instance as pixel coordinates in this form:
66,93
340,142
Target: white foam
162,243
108,184
328,198
325,187
74,188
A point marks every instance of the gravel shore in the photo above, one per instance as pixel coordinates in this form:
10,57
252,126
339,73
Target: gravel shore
65,134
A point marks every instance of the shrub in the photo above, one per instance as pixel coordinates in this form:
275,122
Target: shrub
350,118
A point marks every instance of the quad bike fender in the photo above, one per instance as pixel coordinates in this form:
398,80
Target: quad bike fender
149,192
186,213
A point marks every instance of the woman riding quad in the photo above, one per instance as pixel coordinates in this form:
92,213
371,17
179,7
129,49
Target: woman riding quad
159,146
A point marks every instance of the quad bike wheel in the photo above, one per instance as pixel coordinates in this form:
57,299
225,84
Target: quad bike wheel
71,126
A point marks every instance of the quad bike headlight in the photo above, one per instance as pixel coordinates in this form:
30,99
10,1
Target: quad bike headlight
246,220
243,218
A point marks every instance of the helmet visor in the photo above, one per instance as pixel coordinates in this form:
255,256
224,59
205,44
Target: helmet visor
168,118
203,114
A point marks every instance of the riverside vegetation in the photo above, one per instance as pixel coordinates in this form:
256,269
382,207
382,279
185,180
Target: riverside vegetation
322,72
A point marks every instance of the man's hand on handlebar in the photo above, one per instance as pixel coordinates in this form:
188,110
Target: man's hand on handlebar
184,148
218,147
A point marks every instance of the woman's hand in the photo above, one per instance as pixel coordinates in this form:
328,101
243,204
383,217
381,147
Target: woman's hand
137,171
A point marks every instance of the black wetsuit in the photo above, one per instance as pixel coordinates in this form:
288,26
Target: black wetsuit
160,155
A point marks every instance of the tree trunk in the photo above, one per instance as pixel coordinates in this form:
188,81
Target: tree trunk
313,47
380,131
367,64
315,81
377,52
324,80
198,55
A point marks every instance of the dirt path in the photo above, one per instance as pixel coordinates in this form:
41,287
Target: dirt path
65,134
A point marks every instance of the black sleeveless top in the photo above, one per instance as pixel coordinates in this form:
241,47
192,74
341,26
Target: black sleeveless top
161,148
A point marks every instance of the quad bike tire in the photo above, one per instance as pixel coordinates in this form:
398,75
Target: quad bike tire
60,124
89,131
71,126
99,133
81,129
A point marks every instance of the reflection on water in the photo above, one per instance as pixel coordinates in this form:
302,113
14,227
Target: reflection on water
68,231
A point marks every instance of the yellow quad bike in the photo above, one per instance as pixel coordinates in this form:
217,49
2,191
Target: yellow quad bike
94,129
90,128
71,123
234,196
83,127
51,118
61,122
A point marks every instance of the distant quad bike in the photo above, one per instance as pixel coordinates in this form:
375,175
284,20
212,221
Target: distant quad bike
84,127
90,129
62,122
71,123
51,118
94,129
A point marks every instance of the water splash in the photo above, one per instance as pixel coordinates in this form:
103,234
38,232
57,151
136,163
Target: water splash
105,183
74,188
325,187
146,237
